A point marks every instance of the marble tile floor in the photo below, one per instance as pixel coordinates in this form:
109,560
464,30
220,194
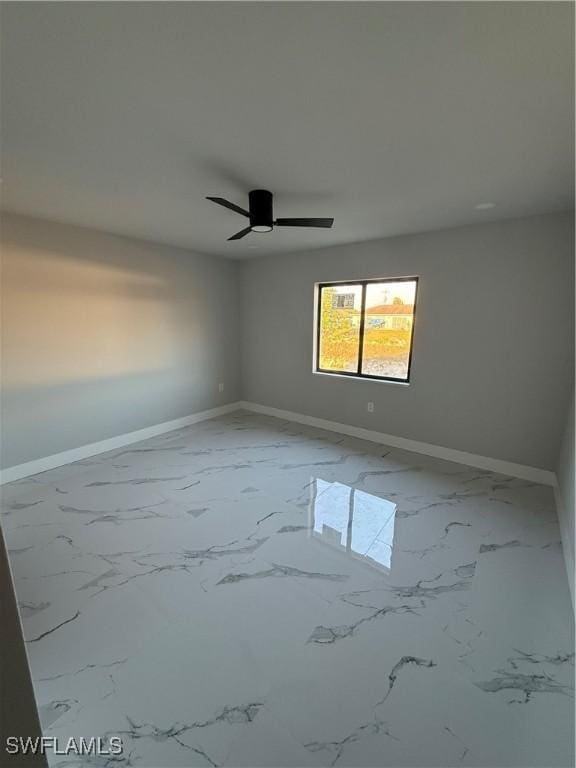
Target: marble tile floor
252,592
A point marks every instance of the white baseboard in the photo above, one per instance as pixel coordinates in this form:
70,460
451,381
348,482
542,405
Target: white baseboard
567,541
534,474
92,449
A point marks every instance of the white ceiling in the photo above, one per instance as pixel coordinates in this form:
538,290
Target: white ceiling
391,117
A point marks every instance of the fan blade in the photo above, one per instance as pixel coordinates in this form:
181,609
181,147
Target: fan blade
325,223
241,234
227,204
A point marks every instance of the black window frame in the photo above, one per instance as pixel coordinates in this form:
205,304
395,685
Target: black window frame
364,283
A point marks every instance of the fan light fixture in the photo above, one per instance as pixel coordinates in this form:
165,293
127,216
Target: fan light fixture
261,215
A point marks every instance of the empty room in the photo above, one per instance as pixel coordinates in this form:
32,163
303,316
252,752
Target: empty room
287,366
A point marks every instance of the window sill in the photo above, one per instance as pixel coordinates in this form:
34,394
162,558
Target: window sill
351,377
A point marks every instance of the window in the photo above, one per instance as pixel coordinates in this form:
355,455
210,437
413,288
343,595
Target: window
365,328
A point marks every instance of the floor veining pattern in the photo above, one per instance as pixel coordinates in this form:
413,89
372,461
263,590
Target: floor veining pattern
252,592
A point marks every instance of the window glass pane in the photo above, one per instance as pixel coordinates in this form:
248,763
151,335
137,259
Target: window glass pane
340,307
388,328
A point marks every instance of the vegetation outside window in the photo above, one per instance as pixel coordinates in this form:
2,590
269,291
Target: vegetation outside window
365,328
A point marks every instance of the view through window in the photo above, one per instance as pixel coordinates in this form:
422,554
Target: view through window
365,328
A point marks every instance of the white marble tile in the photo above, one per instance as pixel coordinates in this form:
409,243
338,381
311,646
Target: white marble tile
267,743
247,591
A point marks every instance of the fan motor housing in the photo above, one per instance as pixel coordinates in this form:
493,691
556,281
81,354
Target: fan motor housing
261,215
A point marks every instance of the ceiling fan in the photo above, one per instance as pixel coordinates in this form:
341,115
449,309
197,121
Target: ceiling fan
261,216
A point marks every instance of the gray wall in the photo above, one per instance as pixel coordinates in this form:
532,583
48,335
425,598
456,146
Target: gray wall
103,335
565,474
493,345
18,712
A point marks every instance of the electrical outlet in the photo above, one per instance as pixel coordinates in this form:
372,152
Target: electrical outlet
221,387
370,407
